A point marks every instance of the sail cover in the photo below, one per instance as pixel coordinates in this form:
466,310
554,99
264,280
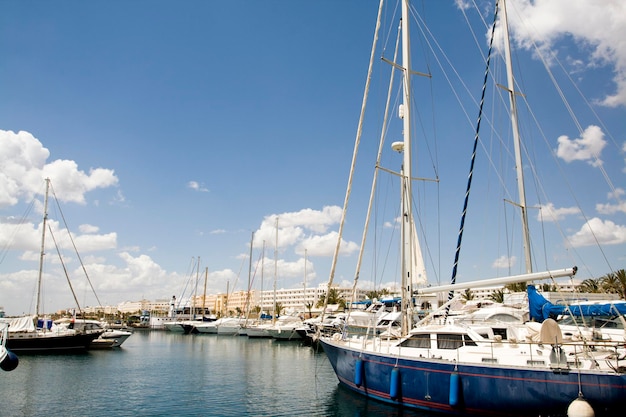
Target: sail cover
419,278
20,324
541,309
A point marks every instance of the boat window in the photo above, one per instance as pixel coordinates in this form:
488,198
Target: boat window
417,341
505,318
385,322
597,322
468,341
607,323
449,341
500,332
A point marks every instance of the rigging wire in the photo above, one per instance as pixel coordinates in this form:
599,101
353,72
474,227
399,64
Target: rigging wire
354,155
473,160
545,60
73,245
5,249
64,268
375,179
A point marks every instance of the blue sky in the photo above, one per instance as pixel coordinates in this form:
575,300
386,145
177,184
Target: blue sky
174,130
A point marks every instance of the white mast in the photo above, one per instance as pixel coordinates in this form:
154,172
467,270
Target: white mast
249,279
407,215
43,244
274,312
206,276
304,285
516,140
262,275
195,295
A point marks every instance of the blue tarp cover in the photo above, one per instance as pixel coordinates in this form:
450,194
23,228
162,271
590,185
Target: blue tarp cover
541,309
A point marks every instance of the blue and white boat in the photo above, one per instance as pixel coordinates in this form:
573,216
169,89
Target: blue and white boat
8,359
465,369
470,370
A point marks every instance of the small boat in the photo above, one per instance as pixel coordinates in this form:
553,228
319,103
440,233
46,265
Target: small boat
285,327
223,326
258,331
108,338
181,326
230,326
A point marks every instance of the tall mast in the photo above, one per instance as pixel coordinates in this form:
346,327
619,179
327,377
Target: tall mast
275,273
249,278
262,274
407,215
516,140
206,276
43,244
304,293
195,292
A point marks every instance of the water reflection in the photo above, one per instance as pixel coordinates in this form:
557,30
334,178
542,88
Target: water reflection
346,403
165,374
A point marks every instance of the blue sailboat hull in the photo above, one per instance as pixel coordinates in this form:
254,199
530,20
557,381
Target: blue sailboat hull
485,390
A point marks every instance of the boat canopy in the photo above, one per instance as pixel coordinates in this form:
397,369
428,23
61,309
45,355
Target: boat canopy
20,324
541,309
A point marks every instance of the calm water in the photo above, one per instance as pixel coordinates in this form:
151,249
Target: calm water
157,373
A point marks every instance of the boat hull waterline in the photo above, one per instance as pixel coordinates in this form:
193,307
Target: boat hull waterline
52,343
472,389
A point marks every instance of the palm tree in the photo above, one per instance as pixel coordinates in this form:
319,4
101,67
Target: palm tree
497,296
621,277
377,293
614,283
278,308
309,306
468,295
517,287
591,285
334,297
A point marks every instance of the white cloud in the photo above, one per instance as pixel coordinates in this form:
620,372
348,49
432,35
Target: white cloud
314,220
504,262
24,167
137,275
194,185
597,231
88,228
27,237
609,208
304,230
586,148
598,26
324,245
617,194
549,213
93,242
290,270
294,226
